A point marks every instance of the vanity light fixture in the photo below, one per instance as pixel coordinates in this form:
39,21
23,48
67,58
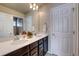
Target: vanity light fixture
34,6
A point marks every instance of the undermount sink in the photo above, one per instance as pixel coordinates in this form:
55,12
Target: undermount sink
38,35
18,41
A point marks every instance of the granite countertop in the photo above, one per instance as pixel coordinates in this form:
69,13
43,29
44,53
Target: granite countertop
11,45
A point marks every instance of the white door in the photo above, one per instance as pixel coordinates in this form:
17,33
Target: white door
62,30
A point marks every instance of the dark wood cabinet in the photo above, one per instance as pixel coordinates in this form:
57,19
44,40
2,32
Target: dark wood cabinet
38,48
45,43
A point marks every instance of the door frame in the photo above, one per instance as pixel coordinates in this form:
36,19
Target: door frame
75,30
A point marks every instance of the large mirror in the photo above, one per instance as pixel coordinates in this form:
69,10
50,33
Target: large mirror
16,18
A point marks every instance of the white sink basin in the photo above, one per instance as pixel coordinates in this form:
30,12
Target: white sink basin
38,35
18,41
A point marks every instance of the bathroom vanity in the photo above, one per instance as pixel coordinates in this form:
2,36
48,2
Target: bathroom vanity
36,46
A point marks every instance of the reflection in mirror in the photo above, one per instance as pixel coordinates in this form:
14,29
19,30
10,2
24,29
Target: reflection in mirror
18,25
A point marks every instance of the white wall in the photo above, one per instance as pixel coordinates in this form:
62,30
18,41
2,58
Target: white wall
6,24
28,22
31,20
43,17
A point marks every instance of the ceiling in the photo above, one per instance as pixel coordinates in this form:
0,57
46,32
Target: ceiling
21,7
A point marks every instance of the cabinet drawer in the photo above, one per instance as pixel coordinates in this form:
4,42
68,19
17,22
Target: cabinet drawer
34,51
19,52
33,45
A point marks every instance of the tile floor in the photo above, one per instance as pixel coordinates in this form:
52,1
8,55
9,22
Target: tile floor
48,54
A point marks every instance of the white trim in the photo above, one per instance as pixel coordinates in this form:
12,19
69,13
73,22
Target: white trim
77,52
75,29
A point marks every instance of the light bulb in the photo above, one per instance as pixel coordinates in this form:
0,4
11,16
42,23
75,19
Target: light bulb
33,8
30,5
36,7
34,4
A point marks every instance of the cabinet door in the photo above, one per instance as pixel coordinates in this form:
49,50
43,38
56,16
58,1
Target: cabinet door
33,45
34,52
33,49
45,45
40,47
